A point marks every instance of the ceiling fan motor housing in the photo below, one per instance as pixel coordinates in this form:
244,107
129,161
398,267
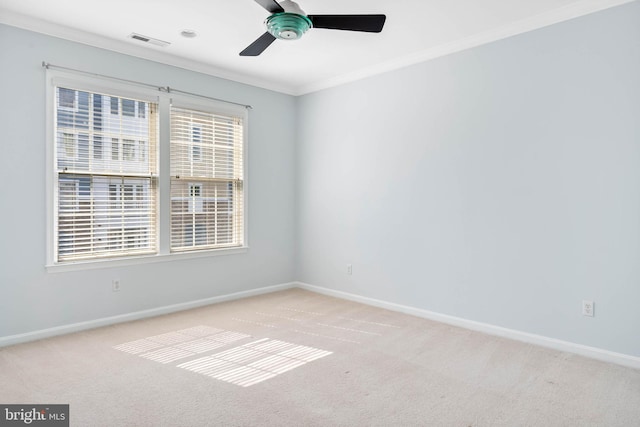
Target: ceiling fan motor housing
289,22
287,25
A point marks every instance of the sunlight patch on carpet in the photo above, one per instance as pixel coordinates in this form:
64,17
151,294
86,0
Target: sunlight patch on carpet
254,362
138,346
201,345
172,346
167,354
170,338
243,365
200,331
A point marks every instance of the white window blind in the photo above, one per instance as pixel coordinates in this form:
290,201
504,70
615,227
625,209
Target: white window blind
106,175
207,209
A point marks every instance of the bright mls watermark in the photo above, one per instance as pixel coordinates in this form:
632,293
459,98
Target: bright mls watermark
34,415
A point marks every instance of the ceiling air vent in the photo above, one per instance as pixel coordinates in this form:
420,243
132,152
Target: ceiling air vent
149,40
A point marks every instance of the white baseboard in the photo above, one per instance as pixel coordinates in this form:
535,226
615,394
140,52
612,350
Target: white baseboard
583,350
91,324
592,352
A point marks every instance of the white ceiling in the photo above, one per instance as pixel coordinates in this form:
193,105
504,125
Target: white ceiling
416,30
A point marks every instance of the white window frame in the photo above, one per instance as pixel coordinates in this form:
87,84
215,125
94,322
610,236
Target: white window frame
223,109
163,100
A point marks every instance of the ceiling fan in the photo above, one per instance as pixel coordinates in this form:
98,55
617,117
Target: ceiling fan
289,22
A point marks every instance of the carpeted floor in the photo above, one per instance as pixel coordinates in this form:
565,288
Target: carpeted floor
296,358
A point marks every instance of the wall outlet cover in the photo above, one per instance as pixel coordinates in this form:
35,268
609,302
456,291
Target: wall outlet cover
587,308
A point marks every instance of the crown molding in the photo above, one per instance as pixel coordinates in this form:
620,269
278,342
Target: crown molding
151,53
571,11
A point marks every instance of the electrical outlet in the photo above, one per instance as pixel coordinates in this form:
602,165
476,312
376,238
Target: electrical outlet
587,308
349,269
115,285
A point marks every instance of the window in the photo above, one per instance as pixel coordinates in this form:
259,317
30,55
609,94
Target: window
106,174
115,149
196,204
104,209
115,104
195,190
196,139
128,107
69,145
97,147
142,150
207,182
67,99
68,194
128,149
113,195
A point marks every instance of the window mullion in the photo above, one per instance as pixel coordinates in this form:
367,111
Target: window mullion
164,177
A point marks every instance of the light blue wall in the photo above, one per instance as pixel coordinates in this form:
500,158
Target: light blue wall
500,184
32,299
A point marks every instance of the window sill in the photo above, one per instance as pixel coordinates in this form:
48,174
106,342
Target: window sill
140,260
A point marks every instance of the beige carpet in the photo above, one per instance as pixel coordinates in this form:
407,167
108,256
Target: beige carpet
295,358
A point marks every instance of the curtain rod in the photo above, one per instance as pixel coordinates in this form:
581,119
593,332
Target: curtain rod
165,89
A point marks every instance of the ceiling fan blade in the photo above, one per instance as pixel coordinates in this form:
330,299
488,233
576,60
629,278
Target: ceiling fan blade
368,23
258,46
271,5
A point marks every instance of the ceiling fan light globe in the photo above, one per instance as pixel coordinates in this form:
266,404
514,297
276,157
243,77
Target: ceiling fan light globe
287,26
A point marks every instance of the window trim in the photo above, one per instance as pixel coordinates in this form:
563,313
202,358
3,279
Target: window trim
164,100
141,259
